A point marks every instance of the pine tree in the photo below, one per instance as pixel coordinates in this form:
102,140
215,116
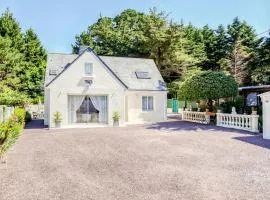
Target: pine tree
238,62
10,28
34,71
22,57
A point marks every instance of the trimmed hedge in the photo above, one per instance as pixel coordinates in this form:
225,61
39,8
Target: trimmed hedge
208,85
10,130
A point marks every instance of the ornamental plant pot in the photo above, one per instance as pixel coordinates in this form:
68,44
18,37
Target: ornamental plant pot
116,123
57,125
254,112
116,117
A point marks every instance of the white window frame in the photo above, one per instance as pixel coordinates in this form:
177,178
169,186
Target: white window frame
148,108
86,70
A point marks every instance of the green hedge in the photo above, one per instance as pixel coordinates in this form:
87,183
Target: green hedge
10,130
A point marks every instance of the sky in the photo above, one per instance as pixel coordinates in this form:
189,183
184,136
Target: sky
58,21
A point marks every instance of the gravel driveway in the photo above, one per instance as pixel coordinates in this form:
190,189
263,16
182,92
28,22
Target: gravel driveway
170,160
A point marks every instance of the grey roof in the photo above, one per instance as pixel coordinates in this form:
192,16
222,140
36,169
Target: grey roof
58,62
123,68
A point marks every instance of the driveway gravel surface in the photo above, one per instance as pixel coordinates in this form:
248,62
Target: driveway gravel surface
167,160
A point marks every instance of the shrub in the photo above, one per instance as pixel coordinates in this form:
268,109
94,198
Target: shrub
28,117
11,97
116,116
57,117
238,103
207,85
20,113
11,129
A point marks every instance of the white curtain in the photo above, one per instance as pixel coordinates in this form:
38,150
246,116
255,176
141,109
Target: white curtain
100,103
74,104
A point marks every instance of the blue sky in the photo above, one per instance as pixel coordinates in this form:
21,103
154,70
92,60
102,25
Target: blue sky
58,21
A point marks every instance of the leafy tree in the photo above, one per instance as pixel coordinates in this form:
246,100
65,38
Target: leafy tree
22,57
207,85
10,60
260,66
10,28
133,33
32,76
239,59
12,98
210,43
242,41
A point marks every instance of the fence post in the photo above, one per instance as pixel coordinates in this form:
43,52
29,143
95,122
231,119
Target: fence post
218,119
207,118
254,123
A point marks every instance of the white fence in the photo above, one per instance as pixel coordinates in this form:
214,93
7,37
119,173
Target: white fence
36,111
5,112
244,122
199,117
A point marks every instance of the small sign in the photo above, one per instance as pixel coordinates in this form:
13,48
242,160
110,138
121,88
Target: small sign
252,99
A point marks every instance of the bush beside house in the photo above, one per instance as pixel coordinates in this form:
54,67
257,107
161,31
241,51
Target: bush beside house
10,130
209,86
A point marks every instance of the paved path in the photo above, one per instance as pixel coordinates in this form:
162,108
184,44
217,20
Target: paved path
169,160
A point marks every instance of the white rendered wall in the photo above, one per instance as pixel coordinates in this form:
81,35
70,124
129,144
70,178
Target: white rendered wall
71,82
266,114
134,107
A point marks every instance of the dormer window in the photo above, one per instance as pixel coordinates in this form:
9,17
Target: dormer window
88,69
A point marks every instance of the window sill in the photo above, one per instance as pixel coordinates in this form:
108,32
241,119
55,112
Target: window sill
88,76
147,111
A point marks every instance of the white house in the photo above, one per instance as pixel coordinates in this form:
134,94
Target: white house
266,114
87,89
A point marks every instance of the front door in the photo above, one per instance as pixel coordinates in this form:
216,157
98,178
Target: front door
88,109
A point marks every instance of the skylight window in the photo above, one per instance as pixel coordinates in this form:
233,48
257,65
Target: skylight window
53,72
142,75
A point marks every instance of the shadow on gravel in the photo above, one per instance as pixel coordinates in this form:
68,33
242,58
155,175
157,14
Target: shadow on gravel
255,140
35,124
178,125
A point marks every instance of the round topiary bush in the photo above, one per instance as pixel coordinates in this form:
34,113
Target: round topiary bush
208,85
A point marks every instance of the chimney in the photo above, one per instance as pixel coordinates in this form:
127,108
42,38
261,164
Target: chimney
82,48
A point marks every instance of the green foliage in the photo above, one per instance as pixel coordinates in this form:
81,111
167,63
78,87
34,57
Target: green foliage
10,97
237,102
133,33
20,113
28,117
22,58
207,85
178,49
57,117
260,65
10,130
116,116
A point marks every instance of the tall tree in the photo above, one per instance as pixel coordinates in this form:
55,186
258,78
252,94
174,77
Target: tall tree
10,61
10,28
239,59
34,71
210,42
242,42
22,57
133,33
221,48
260,66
